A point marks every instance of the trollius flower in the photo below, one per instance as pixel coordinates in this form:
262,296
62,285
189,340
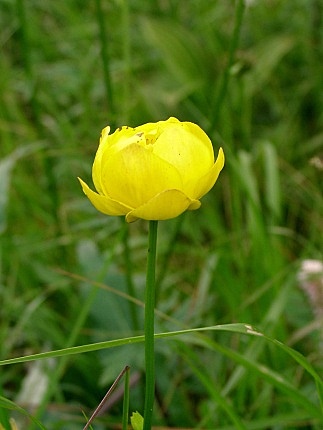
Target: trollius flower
154,172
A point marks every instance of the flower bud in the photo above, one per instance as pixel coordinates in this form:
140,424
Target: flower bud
154,172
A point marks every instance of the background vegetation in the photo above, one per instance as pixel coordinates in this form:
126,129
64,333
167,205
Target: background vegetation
250,74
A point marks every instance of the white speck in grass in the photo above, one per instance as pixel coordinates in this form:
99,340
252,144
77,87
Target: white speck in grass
251,330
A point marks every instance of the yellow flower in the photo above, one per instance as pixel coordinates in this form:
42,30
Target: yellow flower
154,172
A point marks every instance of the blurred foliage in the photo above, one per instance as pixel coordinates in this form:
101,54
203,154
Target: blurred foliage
250,74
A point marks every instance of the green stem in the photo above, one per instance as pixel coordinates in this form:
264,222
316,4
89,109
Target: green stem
125,413
149,325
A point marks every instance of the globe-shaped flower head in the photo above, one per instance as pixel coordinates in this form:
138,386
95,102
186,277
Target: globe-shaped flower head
154,172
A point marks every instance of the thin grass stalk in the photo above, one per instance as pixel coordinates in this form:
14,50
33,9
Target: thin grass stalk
125,409
47,161
105,57
107,396
26,51
126,56
4,413
124,119
211,387
218,101
150,325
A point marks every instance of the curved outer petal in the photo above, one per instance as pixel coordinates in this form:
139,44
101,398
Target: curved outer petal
206,182
135,175
109,144
199,134
122,137
97,160
189,151
166,205
156,128
104,204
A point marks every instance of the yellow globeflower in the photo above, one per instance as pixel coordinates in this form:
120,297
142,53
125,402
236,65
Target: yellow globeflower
154,172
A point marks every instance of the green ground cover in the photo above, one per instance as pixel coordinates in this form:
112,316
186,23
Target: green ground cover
250,74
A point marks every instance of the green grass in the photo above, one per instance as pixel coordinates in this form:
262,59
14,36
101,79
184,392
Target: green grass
69,276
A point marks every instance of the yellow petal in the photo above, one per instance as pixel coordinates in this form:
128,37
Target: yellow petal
166,205
156,128
109,144
97,160
204,184
135,175
104,204
190,152
200,135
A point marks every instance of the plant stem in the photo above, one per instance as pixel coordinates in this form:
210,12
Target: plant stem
149,325
125,413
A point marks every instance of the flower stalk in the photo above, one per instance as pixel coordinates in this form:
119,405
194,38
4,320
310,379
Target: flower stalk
150,325
155,171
